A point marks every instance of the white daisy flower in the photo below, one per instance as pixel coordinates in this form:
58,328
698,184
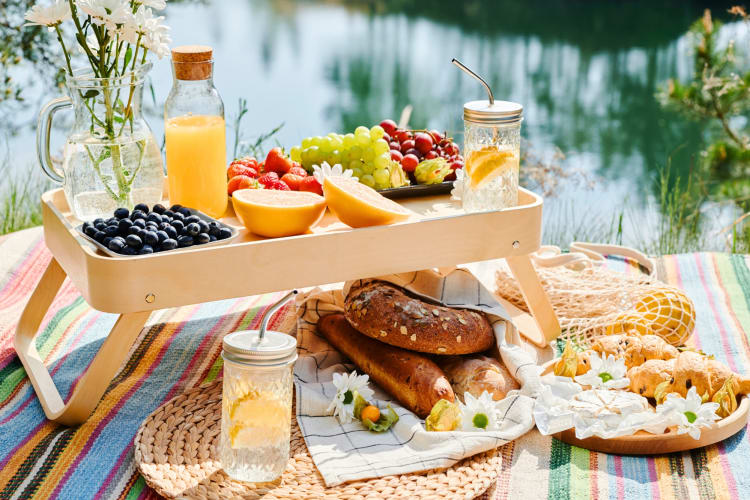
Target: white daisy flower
154,4
107,12
458,185
607,373
325,170
688,414
149,29
478,414
347,384
50,15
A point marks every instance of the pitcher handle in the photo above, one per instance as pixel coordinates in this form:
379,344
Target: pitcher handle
43,127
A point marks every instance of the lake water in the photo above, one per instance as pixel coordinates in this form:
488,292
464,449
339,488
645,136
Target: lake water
586,73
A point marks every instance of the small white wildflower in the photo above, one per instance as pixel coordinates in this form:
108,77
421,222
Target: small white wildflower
688,414
50,15
342,404
607,373
107,12
325,170
478,414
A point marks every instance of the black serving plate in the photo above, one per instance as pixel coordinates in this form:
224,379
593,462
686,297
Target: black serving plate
417,190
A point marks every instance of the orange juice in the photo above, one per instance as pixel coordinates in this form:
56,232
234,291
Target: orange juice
196,162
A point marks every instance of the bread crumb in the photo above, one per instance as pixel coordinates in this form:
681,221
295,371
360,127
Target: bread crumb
461,320
383,333
445,326
413,337
458,339
436,312
403,330
395,324
441,349
364,311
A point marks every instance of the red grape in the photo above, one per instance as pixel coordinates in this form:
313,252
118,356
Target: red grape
403,135
386,137
429,155
423,142
415,152
396,155
451,149
395,146
436,136
409,163
407,145
389,126
457,164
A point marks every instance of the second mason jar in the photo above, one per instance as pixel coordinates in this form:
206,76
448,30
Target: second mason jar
256,412
195,133
492,151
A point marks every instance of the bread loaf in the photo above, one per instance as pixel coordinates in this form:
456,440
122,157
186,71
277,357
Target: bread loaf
387,313
413,379
476,374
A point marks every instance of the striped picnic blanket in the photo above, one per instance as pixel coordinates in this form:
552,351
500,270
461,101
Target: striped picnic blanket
179,349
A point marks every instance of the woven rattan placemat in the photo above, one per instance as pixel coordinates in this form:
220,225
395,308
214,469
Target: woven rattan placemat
175,451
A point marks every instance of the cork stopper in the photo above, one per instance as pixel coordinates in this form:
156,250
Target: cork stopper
192,62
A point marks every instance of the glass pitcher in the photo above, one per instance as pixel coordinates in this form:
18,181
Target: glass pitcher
110,158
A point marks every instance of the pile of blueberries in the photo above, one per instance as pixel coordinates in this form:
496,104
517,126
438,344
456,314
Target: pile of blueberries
142,232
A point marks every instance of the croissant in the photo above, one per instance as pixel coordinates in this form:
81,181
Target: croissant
635,350
645,378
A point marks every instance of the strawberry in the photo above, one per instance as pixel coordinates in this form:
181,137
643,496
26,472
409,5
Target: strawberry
292,180
277,162
237,168
268,179
297,170
241,182
247,160
280,186
311,184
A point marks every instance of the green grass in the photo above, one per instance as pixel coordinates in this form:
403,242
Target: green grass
20,193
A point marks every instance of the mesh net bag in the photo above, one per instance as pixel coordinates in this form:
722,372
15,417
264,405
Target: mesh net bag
591,301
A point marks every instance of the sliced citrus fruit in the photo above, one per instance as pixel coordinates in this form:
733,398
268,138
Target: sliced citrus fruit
272,213
357,205
487,163
258,420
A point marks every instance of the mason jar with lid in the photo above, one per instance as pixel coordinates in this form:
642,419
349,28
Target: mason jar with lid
492,150
256,407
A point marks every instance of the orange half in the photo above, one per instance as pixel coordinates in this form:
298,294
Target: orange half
274,214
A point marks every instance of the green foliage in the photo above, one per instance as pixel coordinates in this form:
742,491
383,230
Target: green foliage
19,199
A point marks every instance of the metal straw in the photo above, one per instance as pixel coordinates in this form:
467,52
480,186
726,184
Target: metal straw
471,73
269,312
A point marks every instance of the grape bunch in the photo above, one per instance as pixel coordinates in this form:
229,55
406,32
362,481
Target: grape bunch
366,152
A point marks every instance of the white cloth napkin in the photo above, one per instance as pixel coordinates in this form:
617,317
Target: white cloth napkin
350,452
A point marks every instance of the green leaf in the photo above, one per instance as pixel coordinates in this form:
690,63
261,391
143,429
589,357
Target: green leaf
118,119
384,423
359,404
90,94
128,56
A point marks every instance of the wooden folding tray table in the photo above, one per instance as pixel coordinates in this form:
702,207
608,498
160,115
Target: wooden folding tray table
439,235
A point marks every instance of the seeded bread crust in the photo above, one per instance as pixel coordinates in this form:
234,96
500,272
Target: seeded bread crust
386,313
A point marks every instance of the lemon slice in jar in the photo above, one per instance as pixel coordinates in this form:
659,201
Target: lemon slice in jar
484,165
258,419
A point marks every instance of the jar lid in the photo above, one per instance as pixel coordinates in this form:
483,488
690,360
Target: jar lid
192,62
246,347
498,113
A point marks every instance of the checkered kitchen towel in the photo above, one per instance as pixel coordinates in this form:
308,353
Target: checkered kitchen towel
350,452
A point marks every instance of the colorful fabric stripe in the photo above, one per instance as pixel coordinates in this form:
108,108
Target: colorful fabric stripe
180,349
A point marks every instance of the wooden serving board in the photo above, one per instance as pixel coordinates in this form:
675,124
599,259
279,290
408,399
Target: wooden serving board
645,443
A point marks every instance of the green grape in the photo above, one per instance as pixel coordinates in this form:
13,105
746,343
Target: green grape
336,141
381,147
317,141
314,155
362,140
368,154
355,153
306,142
383,161
355,165
368,168
334,158
295,153
305,158
348,140
362,131
367,180
377,132
357,172
382,177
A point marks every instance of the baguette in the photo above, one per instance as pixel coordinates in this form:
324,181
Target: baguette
385,312
476,374
413,379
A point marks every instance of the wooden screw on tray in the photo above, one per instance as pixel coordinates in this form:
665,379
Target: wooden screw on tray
439,235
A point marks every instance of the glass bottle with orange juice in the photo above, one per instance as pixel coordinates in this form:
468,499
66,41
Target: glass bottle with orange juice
195,135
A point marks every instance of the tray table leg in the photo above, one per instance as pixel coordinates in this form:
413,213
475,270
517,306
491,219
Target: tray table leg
548,328
102,369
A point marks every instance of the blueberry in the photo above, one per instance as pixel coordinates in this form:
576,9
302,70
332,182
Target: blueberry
142,207
161,236
203,225
213,228
202,238
213,238
122,213
150,238
164,225
135,230
124,225
224,233
158,208
137,214
178,225
120,239
99,236
111,230
134,240
192,218
193,229
112,221
116,245
89,231
175,207
107,240
168,214
140,223
146,249
178,216
185,211
184,241
126,250
100,226
153,217
152,226
171,232
169,244
98,221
